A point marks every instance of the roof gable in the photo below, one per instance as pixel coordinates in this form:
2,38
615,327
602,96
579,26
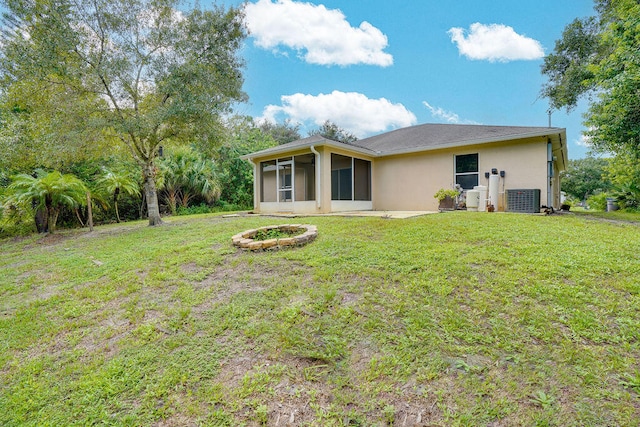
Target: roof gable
314,140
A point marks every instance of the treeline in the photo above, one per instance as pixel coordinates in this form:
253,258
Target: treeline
190,179
597,61
592,180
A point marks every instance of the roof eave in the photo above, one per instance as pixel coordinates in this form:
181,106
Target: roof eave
277,151
479,141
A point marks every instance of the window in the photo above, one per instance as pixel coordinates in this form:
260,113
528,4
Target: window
467,171
268,181
361,179
288,179
305,176
350,178
341,174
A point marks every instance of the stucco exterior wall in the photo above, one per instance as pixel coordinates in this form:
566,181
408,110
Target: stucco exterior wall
408,182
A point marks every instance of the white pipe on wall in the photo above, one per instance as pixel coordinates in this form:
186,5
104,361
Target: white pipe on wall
494,190
318,180
255,183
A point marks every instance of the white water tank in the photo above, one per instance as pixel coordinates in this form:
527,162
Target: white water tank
482,198
473,200
494,190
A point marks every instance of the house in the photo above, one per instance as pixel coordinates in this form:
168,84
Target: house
404,168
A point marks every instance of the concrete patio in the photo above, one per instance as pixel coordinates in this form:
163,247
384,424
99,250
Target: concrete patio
379,214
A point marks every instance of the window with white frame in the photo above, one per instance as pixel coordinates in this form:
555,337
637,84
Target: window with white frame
467,170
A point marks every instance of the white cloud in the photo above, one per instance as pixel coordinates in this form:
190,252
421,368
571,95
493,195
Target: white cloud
495,42
448,116
583,141
320,35
351,111
441,114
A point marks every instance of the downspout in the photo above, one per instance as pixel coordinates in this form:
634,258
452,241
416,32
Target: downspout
318,181
255,184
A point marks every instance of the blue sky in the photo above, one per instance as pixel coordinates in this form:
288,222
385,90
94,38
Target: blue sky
376,65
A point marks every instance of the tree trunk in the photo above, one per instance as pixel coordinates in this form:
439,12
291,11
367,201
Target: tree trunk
53,219
115,203
151,194
41,218
89,212
50,226
77,211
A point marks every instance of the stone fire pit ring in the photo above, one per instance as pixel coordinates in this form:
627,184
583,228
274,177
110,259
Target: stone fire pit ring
246,239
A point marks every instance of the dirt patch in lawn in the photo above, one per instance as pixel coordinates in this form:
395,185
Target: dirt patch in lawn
235,276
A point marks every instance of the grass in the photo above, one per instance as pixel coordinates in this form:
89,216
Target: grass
450,319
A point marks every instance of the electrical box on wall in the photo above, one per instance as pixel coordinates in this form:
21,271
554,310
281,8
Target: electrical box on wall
523,200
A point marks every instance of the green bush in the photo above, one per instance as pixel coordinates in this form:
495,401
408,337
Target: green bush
193,210
598,202
628,197
203,208
16,222
224,206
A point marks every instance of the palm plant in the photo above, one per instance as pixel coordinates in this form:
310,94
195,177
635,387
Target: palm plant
201,180
115,183
49,191
187,174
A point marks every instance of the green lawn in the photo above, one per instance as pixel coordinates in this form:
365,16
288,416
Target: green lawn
449,319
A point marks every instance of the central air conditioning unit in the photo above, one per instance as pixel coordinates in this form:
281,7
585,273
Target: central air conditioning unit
523,200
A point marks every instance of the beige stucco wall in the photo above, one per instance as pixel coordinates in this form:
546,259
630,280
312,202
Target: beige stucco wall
408,182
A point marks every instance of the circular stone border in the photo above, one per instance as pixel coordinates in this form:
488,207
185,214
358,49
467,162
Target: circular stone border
245,240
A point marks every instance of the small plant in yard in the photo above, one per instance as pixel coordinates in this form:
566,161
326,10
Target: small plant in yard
442,194
389,413
274,233
262,414
447,199
632,381
542,399
461,364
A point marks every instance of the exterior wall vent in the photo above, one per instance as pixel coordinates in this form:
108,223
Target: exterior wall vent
523,201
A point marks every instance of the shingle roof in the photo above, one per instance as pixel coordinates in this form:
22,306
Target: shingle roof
433,136
306,143
420,138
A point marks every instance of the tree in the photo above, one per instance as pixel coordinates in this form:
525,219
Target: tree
42,132
585,177
141,71
115,183
51,191
598,57
236,175
332,131
282,133
624,173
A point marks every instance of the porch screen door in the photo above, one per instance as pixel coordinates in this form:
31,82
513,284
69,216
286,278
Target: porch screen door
285,181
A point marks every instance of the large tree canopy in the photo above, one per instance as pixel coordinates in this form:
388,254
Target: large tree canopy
332,131
141,71
599,57
585,177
